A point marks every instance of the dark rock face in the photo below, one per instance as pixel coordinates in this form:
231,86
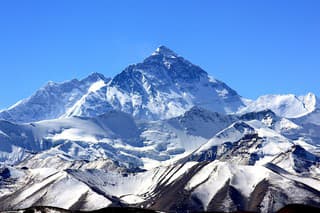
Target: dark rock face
303,159
174,197
4,173
237,151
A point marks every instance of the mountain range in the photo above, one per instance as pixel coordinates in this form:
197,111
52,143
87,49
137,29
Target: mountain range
160,135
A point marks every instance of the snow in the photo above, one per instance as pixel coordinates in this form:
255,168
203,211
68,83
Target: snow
49,102
289,106
57,189
13,155
201,176
274,143
246,178
74,135
63,189
311,182
212,177
301,142
15,105
4,134
15,173
230,134
286,124
312,118
114,95
31,191
65,192
185,168
43,172
116,185
162,50
149,164
77,108
208,182
96,86
223,92
310,101
68,191
95,201
132,199
69,129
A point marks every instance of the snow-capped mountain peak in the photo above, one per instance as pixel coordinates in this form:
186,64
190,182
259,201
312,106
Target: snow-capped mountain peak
164,85
165,51
94,77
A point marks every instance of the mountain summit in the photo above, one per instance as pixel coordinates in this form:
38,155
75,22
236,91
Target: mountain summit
165,51
164,85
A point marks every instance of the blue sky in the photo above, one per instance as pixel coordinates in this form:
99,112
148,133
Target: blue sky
256,47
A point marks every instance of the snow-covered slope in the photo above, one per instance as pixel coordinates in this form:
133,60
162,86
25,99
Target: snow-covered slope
209,186
49,187
201,122
299,161
126,142
247,143
114,135
289,106
51,101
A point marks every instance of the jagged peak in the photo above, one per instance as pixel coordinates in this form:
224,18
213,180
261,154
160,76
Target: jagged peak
52,84
165,51
175,67
199,110
95,76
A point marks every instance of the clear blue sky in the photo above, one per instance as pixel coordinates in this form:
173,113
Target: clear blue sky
256,47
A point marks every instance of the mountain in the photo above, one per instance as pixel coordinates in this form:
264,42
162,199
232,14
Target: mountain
221,163
161,135
50,101
248,143
201,186
114,135
164,85
289,106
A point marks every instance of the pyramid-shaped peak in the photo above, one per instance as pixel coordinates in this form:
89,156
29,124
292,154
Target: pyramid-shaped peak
165,51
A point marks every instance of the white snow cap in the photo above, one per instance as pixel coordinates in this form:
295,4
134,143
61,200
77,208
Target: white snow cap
165,51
